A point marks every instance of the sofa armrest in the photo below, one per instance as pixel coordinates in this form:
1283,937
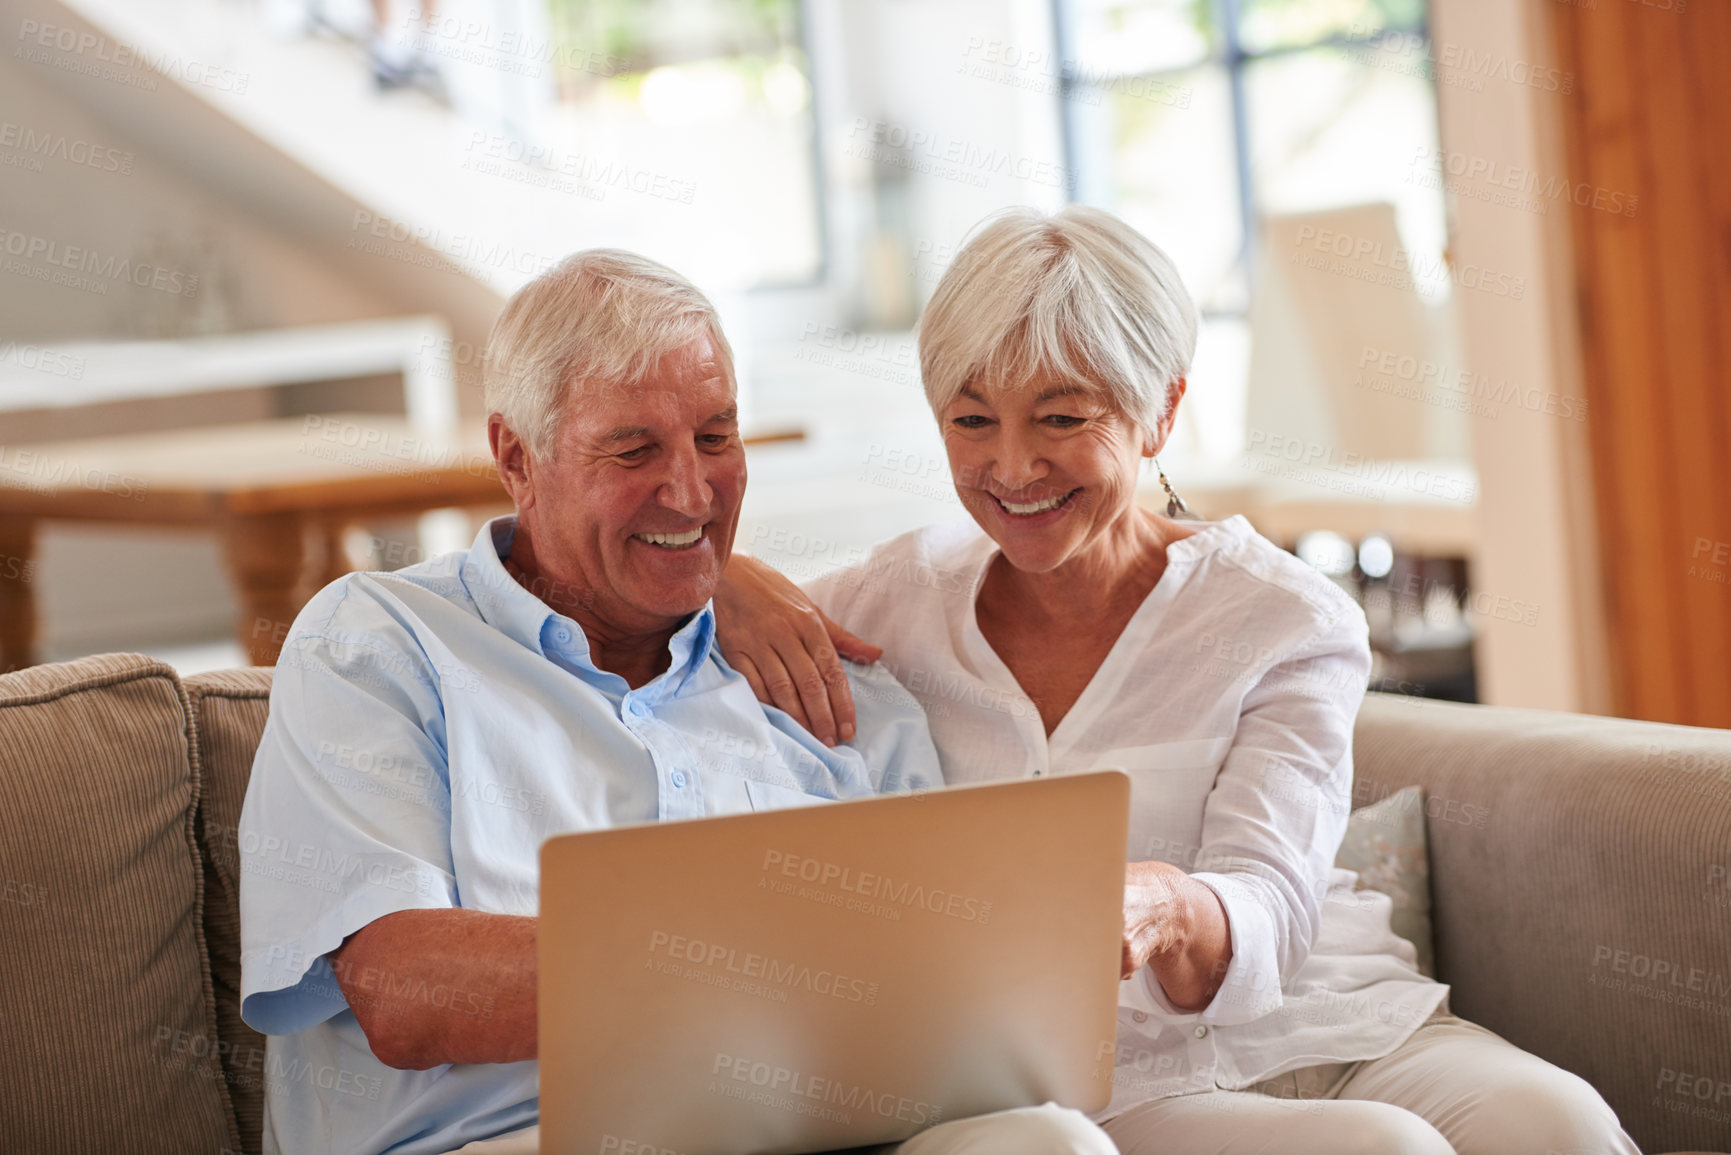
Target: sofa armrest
1581,902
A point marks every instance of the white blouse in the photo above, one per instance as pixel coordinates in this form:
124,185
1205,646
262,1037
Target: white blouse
1229,699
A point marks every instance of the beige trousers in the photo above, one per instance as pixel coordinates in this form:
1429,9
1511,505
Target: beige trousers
1453,1088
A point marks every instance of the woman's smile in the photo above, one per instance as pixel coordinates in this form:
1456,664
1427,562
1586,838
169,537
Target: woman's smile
1032,509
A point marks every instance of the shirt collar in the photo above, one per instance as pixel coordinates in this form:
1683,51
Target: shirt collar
691,646
527,620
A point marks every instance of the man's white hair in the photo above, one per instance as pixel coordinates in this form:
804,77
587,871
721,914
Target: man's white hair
599,318
1079,295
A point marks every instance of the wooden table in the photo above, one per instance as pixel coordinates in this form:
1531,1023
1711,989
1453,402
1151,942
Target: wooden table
280,493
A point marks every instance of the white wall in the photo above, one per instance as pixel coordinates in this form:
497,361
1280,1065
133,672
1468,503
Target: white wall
149,211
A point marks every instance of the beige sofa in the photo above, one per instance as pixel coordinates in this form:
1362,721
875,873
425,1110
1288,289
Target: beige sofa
1581,902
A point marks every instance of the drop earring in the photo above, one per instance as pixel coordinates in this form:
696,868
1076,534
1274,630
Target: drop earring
1175,507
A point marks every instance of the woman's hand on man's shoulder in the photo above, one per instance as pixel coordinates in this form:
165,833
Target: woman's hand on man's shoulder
788,649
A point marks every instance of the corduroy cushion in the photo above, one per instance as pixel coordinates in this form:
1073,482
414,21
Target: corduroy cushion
106,1008
1575,897
228,711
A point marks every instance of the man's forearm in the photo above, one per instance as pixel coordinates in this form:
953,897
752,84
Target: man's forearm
430,987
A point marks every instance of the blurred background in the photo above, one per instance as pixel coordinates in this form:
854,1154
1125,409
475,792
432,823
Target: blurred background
1462,269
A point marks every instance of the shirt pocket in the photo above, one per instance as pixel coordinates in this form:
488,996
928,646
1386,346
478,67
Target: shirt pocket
765,796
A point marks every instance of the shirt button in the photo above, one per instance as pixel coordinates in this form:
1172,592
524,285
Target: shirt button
636,709
679,778
1139,1016
563,634
1202,1032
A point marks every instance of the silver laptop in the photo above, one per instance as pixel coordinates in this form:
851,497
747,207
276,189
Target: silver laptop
831,976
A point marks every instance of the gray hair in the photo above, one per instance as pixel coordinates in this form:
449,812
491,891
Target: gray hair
601,316
1079,295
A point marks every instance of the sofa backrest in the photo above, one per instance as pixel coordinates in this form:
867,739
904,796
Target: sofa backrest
112,1039
1581,903
1579,872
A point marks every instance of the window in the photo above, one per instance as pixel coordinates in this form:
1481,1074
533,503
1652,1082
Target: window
1192,119
677,96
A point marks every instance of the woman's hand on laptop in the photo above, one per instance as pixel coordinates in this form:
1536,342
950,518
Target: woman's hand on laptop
1177,927
787,649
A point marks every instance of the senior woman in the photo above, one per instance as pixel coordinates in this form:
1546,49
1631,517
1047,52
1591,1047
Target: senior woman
1068,629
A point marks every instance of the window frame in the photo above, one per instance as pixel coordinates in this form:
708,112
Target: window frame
1075,82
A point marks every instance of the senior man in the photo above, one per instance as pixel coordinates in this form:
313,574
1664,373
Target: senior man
431,727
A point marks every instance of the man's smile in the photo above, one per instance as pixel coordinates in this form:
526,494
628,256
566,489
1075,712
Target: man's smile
684,540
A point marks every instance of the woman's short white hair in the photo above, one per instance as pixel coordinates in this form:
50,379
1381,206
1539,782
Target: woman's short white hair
599,317
1079,295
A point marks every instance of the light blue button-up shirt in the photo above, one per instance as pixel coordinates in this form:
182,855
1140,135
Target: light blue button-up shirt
428,730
